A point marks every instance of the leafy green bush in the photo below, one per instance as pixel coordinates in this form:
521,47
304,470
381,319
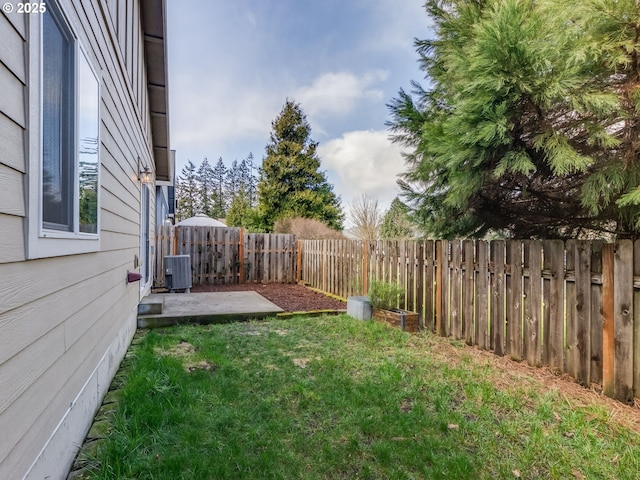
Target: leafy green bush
385,295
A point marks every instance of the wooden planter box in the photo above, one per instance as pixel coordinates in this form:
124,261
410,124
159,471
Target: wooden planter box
407,321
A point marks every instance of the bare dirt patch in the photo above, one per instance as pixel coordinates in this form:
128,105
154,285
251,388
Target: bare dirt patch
185,351
289,297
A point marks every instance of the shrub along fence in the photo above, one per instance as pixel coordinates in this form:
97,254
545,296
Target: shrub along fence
228,255
573,306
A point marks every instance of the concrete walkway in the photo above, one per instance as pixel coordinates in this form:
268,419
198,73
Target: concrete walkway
164,309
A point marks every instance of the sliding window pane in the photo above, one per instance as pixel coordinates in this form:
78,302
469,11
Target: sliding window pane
57,124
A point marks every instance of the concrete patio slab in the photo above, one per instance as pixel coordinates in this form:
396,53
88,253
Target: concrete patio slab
211,307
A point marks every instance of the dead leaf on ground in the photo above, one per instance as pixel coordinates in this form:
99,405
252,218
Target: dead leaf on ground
578,475
516,473
453,426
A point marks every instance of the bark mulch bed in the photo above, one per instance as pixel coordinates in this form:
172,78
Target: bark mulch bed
289,297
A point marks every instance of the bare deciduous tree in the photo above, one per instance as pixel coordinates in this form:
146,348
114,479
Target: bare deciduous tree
366,217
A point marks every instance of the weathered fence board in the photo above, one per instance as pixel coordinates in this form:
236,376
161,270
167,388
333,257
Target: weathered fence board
532,327
514,299
636,321
445,277
571,352
597,314
497,305
582,339
454,275
623,320
428,284
468,294
482,295
573,306
608,334
554,316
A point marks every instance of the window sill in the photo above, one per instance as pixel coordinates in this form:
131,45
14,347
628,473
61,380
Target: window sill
57,246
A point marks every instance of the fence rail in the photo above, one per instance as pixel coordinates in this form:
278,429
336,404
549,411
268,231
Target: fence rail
573,306
228,255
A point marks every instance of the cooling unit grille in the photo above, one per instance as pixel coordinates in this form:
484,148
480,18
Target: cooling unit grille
177,272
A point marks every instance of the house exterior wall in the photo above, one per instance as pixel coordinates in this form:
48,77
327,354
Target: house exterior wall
66,321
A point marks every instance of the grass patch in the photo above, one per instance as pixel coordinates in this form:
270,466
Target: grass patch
337,398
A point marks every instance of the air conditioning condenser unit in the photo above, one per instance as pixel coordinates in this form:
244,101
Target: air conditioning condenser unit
177,272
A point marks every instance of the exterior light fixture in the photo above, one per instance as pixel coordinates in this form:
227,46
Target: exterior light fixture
144,173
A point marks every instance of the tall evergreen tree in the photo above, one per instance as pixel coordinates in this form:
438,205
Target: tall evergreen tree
239,213
291,183
187,194
251,180
219,177
532,123
396,222
246,180
232,183
207,189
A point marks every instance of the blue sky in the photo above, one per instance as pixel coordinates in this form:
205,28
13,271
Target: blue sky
233,63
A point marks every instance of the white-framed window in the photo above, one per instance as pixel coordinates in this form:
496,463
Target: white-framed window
64,140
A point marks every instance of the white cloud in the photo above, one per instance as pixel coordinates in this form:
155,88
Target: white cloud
363,162
221,115
205,116
337,93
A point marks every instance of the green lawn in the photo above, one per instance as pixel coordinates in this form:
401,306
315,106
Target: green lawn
337,398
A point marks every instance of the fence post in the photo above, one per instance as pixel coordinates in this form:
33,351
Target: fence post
174,240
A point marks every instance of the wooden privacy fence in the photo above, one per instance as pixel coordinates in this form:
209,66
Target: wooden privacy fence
228,255
573,306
